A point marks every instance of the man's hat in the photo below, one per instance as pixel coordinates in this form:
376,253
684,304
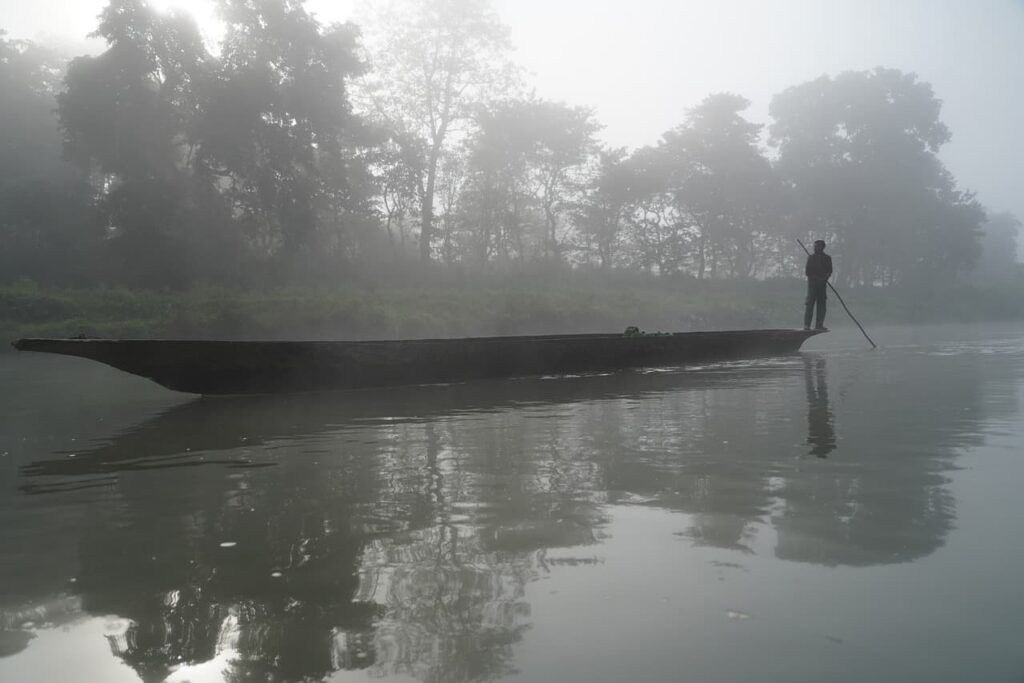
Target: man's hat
817,242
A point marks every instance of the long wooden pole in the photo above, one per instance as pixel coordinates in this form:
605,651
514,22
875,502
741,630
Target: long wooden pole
873,344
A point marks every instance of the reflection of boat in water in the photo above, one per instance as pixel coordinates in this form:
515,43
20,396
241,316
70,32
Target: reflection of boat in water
180,435
228,367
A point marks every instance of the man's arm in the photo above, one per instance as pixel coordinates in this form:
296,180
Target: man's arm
807,268
828,266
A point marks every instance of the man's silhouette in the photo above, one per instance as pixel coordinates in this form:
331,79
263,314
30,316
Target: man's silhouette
818,271
821,435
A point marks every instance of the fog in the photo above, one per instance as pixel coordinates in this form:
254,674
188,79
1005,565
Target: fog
582,148
669,55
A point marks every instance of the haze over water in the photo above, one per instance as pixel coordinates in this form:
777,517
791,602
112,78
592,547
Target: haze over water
839,515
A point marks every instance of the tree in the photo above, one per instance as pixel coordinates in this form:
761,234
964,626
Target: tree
602,211
533,155
998,259
860,152
279,127
563,143
397,174
658,228
723,182
497,204
433,62
704,200
129,116
48,229
201,161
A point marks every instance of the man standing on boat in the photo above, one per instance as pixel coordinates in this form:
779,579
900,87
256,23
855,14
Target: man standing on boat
818,271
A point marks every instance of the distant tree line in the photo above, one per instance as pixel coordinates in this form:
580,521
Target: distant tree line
298,151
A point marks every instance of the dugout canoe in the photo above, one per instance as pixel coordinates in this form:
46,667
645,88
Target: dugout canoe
260,367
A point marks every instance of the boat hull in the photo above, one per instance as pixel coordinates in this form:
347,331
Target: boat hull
252,367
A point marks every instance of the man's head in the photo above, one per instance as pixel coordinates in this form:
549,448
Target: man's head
819,246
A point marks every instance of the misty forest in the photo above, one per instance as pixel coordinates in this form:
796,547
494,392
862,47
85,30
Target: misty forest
167,179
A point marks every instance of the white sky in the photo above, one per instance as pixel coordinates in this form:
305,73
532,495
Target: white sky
642,63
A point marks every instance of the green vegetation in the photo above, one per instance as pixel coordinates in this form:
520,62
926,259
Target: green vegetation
486,308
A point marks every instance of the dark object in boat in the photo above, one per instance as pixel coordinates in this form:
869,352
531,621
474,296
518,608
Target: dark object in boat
255,367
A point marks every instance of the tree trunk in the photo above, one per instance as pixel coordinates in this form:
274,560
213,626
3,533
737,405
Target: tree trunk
553,251
427,215
701,258
391,235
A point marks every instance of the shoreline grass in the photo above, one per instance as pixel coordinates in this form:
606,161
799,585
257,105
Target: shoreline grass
478,309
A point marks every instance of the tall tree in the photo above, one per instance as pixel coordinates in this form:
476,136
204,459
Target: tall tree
999,246
543,149
723,182
658,228
532,156
860,150
190,151
497,204
563,144
433,62
278,125
129,116
397,172
48,230
603,209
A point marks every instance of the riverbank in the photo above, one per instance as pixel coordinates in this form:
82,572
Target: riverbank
483,307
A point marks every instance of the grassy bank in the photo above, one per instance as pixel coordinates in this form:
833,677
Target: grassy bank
575,304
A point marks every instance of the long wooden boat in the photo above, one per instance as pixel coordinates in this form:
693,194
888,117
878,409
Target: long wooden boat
257,367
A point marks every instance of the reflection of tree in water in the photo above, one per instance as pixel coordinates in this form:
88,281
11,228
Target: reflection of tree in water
384,550
405,528
731,457
451,610
453,591
886,500
187,596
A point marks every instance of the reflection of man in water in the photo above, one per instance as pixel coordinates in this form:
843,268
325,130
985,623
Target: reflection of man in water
818,271
820,434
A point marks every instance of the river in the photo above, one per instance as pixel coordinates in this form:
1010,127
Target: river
837,515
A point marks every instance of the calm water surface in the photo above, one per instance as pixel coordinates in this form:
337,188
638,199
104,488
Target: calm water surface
840,515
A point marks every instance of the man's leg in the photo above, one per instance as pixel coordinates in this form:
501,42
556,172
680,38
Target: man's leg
809,305
822,292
